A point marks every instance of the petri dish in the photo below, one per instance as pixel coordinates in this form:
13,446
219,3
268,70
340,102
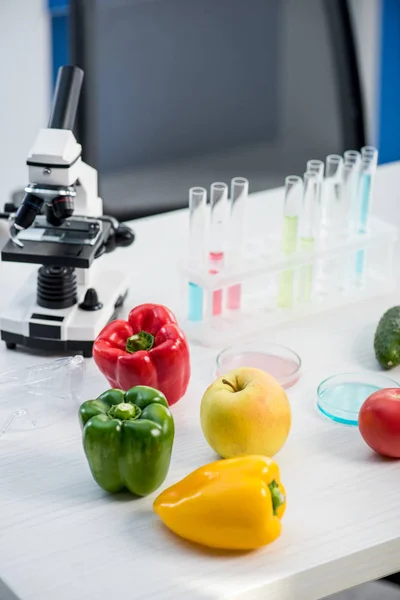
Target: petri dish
341,396
279,361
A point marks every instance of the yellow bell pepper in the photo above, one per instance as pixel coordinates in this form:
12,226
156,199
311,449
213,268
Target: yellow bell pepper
234,504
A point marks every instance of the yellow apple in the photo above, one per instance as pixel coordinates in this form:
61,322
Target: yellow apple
245,412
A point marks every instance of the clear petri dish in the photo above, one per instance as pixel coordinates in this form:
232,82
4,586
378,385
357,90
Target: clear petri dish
341,396
279,361
35,397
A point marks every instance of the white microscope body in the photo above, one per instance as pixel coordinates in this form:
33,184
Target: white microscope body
64,306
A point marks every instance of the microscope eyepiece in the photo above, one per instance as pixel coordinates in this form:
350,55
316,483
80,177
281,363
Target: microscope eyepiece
28,210
63,207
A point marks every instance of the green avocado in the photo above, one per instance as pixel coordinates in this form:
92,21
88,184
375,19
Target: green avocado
387,339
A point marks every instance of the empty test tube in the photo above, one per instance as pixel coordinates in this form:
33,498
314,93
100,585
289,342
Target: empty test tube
217,231
197,228
291,213
370,153
352,157
318,167
350,194
307,233
333,192
238,202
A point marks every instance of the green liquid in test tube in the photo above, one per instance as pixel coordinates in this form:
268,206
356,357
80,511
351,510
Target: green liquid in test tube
292,207
307,234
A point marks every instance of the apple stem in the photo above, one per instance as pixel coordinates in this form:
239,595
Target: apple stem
226,382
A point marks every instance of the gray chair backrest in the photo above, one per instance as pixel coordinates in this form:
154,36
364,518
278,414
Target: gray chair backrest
185,92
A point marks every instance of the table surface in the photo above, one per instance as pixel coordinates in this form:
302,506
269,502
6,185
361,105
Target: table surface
63,537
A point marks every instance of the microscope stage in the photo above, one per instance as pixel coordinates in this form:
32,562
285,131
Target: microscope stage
72,329
73,244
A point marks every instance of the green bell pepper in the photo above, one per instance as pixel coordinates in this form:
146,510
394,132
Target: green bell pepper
128,438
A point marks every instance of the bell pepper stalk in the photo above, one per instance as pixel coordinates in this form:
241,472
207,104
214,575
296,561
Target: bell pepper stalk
148,349
128,438
232,504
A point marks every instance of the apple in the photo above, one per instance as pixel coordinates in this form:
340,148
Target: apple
379,422
245,412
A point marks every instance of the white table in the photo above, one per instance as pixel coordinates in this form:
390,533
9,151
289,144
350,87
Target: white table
63,538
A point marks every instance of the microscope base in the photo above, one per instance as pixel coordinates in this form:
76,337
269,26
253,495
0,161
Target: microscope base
69,330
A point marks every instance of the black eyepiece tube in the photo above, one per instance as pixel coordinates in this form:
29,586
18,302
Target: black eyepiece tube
66,97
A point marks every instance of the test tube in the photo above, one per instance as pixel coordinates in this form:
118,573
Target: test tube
370,153
291,212
350,189
307,233
238,201
352,157
318,167
333,193
197,228
216,246
367,173
365,195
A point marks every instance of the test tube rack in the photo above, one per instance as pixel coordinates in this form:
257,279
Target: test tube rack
327,277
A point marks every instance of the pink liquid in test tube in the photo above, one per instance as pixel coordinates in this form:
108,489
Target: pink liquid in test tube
218,217
216,259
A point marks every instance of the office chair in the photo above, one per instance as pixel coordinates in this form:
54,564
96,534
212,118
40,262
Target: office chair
179,93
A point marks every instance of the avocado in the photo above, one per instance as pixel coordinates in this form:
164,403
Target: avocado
387,339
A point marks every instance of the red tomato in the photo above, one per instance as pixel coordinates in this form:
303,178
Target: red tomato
379,422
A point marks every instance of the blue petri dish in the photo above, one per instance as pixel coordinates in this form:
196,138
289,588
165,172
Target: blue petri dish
340,397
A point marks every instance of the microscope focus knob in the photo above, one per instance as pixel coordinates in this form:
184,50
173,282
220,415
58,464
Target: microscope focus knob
91,301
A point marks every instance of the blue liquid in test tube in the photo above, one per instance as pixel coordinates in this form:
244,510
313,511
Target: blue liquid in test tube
195,302
365,201
197,224
369,156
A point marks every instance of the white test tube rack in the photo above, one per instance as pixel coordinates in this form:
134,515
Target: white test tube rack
335,281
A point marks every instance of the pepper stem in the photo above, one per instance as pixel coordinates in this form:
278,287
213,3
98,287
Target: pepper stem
124,411
276,495
226,382
139,341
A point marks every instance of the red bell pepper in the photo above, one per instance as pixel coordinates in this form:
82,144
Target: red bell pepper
148,349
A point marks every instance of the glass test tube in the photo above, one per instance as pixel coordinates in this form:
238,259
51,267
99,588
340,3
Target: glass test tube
365,195
351,175
307,233
238,201
350,199
333,193
352,157
350,189
370,153
216,243
291,213
318,167
197,229
367,173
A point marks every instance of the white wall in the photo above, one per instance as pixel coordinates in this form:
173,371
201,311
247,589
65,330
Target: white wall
25,86
366,17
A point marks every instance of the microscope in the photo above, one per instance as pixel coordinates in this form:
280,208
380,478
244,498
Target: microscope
59,225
